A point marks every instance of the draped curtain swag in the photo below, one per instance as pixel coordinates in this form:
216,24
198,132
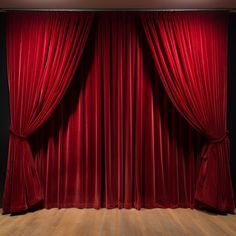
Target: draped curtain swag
43,51
190,54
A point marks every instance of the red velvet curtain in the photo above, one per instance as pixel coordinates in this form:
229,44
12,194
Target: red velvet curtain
190,54
116,140
43,51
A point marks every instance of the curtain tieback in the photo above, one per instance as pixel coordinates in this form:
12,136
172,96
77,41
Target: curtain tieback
213,141
218,140
19,136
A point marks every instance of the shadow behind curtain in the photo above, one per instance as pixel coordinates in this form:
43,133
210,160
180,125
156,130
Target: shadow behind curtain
116,140
4,105
231,109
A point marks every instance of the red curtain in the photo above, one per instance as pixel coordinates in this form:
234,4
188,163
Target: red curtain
190,54
116,140
43,51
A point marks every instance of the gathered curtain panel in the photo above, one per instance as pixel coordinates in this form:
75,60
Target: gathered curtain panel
43,52
122,137
190,54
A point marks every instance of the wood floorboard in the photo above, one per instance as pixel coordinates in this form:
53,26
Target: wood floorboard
115,222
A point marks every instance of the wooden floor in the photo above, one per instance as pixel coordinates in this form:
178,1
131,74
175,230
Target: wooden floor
117,222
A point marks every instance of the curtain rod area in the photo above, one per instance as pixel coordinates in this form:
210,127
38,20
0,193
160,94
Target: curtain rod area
118,9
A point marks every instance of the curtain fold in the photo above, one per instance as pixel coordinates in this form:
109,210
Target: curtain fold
190,54
43,51
116,140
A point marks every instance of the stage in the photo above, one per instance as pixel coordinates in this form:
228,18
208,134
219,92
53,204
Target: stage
130,222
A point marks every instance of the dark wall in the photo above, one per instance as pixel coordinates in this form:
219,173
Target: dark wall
4,101
4,106
231,114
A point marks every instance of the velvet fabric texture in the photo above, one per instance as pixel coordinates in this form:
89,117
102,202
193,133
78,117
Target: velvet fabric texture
43,51
116,139
190,54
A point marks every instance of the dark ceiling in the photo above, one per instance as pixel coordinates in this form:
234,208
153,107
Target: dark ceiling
164,4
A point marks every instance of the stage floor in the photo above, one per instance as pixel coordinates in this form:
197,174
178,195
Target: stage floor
123,222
